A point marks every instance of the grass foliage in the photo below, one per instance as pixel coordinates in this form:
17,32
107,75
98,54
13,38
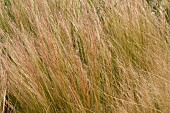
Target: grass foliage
84,56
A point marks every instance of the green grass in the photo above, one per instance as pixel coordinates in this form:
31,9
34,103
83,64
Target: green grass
83,56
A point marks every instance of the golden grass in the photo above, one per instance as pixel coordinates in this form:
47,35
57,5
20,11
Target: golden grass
83,56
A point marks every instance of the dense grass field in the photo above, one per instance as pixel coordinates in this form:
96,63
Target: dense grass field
84,56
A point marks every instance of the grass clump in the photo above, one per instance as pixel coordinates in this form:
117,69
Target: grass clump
83,56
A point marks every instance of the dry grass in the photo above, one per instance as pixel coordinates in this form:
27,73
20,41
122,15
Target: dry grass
83,56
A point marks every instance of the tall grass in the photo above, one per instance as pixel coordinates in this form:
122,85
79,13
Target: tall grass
83,56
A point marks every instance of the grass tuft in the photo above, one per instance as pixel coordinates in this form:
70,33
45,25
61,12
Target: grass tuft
84,56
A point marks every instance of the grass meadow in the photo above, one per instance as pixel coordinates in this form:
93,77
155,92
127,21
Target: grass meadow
85,56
